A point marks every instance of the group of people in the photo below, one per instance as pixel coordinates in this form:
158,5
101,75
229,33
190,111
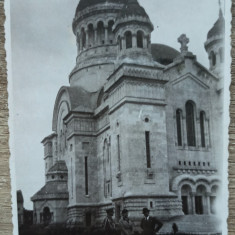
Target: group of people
149,225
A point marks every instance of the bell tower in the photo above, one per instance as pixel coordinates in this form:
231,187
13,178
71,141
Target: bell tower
215,45
132,31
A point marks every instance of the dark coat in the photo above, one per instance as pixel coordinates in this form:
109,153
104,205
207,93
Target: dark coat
150,226
109,227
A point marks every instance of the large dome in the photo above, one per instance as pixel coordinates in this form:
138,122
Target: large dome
87,3
163,54
218,28
132,7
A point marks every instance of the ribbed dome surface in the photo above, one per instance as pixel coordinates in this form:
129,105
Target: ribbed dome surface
87,3
131,8
163,54
218,28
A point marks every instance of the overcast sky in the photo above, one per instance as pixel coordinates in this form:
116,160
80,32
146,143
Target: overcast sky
43,55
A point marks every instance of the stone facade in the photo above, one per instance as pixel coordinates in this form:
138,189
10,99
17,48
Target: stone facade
130,131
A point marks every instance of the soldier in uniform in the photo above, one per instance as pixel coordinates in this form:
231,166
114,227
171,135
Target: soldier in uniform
125,224
150,225
108,223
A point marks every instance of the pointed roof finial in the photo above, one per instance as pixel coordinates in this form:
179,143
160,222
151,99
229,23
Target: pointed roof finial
220,9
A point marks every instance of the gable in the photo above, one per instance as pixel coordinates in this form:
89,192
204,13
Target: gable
189,81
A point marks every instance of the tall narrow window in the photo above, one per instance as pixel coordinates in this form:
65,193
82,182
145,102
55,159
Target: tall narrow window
91,35
140,39
179,128
202,127
120,43
86,176
199,205
185,204
190,124
213,58
147,140
128,36
118,152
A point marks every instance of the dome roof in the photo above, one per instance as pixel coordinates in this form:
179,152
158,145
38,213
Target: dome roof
59,166
163,54
87,3
52,190
218,28
131,8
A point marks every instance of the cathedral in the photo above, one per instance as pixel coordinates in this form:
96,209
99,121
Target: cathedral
139,126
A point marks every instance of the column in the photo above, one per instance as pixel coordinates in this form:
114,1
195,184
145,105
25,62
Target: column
123,43
145,42
80,39
87,39
106,34
95,36
197,131
134,40
184,132
207,133
78,44
192,195
208,204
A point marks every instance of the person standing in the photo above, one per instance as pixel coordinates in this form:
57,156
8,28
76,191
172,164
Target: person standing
126,225
150,225
108,223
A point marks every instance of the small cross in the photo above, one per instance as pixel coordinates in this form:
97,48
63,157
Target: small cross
183,40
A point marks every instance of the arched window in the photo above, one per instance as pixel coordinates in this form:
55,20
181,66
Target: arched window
200,200
179,127
83,38
185,197
128,36
221,54
140,39
190,123
213,58
47,215
101,32
90,35
202,128
110,31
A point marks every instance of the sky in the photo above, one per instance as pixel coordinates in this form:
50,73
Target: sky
43,55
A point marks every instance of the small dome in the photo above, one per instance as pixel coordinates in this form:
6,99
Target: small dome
163,54
87,3
218,28
59,166
132,8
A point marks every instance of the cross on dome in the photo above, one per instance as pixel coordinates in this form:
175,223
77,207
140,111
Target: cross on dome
220,9
183,40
